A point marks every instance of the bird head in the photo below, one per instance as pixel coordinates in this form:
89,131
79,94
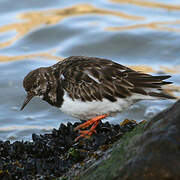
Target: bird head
35,84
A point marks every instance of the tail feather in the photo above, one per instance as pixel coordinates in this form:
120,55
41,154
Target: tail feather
162,77
149,78
150,85
161,95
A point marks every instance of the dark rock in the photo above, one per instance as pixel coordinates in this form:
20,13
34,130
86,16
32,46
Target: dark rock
158,149
152,154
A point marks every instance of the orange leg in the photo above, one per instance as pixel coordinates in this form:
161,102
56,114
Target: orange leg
88,133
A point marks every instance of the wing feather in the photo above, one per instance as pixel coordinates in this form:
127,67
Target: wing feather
88,79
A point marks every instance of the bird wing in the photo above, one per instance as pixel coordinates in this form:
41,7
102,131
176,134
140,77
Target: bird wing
89,79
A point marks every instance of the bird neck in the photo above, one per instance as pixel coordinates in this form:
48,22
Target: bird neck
54,93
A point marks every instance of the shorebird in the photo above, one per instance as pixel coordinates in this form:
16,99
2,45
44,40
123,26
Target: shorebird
92,89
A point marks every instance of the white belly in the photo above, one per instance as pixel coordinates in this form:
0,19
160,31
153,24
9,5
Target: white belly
88,110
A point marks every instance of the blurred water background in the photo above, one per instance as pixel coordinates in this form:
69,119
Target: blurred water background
142,34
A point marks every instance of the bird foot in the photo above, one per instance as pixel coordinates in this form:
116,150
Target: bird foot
88,133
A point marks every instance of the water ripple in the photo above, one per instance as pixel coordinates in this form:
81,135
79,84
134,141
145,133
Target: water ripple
142,34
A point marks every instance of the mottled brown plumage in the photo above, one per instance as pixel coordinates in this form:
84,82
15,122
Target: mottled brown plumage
89,78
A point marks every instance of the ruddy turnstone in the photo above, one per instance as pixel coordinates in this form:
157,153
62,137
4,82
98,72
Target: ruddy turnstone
91,88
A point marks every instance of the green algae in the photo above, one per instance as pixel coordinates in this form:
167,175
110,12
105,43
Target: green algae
108,168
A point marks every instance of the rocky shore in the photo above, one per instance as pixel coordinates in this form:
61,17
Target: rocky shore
128,151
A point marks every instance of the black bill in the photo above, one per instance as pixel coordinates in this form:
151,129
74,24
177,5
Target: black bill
26,101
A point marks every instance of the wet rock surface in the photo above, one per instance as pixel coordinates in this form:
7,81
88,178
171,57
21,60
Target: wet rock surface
55,155
153,152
